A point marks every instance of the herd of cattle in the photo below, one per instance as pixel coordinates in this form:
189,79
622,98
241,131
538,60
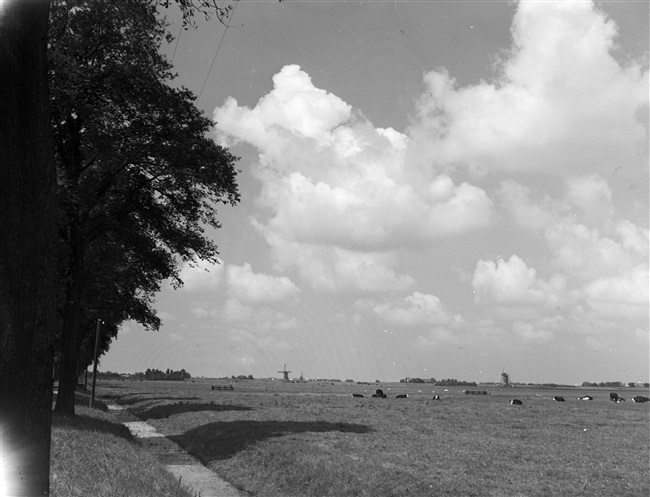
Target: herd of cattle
613,397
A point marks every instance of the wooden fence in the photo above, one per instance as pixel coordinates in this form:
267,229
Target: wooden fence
222,387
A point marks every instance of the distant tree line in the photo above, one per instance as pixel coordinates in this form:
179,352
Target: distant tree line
614,384
170,374
408,379
108,375
242,377
449,382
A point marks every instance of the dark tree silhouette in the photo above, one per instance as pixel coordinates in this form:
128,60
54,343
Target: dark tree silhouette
137,172
28,289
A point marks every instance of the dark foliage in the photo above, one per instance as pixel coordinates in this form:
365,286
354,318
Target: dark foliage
156,374
451,382
138,177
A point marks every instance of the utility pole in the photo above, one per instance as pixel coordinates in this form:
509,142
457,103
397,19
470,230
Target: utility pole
92,392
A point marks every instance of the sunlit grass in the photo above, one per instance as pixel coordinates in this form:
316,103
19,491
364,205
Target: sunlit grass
294,444
92,455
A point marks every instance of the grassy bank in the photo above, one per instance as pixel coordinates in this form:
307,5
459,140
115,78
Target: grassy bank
93,456
283,440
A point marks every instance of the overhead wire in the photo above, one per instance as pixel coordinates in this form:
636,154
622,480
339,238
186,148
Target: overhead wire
223,35
178,39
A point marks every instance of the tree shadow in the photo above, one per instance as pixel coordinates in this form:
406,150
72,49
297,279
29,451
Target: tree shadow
124,401
160,412
82,398
222,440
90,423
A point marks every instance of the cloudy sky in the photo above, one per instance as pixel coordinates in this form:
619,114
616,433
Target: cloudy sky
430,189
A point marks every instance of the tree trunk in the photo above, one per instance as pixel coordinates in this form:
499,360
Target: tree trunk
68,371
27,249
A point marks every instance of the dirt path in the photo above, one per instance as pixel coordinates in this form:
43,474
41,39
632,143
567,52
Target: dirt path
177,460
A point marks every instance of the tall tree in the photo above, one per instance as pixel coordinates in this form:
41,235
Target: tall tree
27,248
27,245
137,171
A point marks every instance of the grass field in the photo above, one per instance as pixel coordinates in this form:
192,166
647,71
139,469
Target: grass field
92,455
308,439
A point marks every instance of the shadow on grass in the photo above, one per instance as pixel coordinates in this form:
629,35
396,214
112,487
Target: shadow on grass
222,440
124,401
91,423
160,412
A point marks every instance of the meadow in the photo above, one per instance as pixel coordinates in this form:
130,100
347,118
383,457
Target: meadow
95,455
271,438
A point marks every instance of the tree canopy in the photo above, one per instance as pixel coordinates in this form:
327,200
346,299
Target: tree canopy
28,222
139,179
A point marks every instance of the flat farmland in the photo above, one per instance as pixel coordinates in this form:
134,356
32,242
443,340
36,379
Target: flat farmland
272,438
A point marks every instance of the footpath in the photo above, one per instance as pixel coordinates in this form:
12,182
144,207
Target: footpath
185,467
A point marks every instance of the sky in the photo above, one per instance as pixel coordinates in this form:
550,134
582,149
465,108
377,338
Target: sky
446,189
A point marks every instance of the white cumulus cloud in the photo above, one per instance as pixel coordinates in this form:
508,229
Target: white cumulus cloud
415,309
560,102
332,180
586,253
623,298
513,282
251,287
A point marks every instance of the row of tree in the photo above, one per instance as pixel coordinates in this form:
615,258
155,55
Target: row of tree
107,184
614,384
108,375
409,379
170,374
449,382
138,178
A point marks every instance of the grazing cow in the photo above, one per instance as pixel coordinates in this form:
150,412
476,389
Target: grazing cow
586,397
357,395
640,399
401,395
436,397
516,402
379,394
613,397
557,398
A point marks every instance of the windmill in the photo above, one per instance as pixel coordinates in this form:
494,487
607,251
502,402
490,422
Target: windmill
505,380
285,372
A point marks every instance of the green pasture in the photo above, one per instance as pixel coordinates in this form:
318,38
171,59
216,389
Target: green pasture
272,438
94,455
